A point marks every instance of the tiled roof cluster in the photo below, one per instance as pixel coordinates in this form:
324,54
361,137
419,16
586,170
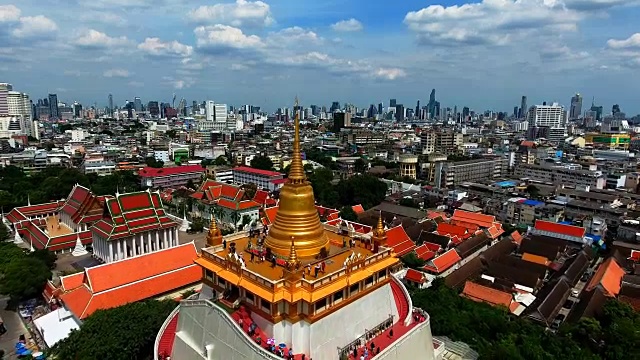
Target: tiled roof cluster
229,196
132,213
129,280
83,206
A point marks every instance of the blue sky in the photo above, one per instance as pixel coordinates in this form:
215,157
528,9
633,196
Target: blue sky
483,54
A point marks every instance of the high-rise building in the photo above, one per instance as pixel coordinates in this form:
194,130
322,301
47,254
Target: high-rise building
335,106
597,109
523,108
392,103
4,93
54,112
418,108
380,108
399,112
341,120
576,107
110,110
547,121
77,109
153,108
137,104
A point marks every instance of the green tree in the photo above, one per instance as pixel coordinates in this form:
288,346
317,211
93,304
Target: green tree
137,325
262,162
221,160
360,166
45,256
152,162
24,278
408,202
347,213
412,260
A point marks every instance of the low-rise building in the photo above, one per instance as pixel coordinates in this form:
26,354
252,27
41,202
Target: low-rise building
170,177
264,179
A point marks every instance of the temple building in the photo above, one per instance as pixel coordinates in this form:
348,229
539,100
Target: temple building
116,227
302,286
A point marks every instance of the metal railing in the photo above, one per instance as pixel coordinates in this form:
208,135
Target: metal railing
405,292
260,351
362,339
163,328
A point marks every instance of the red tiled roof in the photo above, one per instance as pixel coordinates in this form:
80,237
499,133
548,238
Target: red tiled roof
495,231
517,238
473,218
609,275
486,294
251,170
568,230
270,214
414,276
134,279
424,253
451,230
72,281
157,172
635,256
398,239
444,261
358,209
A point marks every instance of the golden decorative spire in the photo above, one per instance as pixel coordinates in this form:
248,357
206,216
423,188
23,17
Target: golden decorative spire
214,237
297,216
296,172
379,234
293,256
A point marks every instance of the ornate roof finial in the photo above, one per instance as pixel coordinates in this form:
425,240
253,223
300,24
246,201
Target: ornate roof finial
28,200
293,256
379,234
296,172
214,236
380,225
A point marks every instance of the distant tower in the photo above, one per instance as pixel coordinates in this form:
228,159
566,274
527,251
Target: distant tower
523,108
110,105
576,106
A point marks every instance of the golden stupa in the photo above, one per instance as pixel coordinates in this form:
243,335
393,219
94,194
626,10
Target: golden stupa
214,236
297,215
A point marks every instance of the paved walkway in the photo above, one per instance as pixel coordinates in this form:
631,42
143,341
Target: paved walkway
15,328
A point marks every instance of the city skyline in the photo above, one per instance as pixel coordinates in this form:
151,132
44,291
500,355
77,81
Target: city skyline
237,52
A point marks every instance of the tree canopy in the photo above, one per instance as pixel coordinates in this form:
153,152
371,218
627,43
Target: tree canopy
497,335
122,333
262,163
153,162
347,213
23,275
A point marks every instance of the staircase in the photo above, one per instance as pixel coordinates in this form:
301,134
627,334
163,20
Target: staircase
401,301
165,346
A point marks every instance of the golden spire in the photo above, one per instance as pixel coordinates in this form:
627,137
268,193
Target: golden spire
296,172
379,234
297,216
214,237
293,256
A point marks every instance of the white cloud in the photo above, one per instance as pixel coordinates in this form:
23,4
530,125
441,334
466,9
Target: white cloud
347,25
104,17
117,4
293,35
597,5
491,22
239,67
155,47
135,83
35,26
98,40
116,73
225,37
389,73
9,13
632,42
240,13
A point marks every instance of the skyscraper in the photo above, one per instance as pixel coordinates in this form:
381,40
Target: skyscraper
110,110
54,112
576,107
418,109
523,108
137,104
4,93
433,106
380,106
392,103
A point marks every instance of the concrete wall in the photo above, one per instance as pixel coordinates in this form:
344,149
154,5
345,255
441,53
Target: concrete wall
417,341
202,324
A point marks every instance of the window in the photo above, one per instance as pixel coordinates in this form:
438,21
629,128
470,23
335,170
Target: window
338,296
249,296
354,288
208,274
221,282
382,274
321,305
369,281
265,305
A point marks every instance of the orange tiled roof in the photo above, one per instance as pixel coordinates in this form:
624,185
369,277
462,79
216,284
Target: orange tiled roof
414,276
398,239
495,230
424,253
473,218
134,279
119,273
451,230
72,281
569,230
270,214
517,238
536,259
486,294
358,209
609,275
444,261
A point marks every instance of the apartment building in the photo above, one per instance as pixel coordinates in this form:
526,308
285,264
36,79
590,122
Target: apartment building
171,177
362,137
445,142
560,174
450,174
264,179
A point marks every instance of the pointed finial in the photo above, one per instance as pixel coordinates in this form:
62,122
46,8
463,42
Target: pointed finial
293,256
380,225
117,190
28,200
214,236
296,172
